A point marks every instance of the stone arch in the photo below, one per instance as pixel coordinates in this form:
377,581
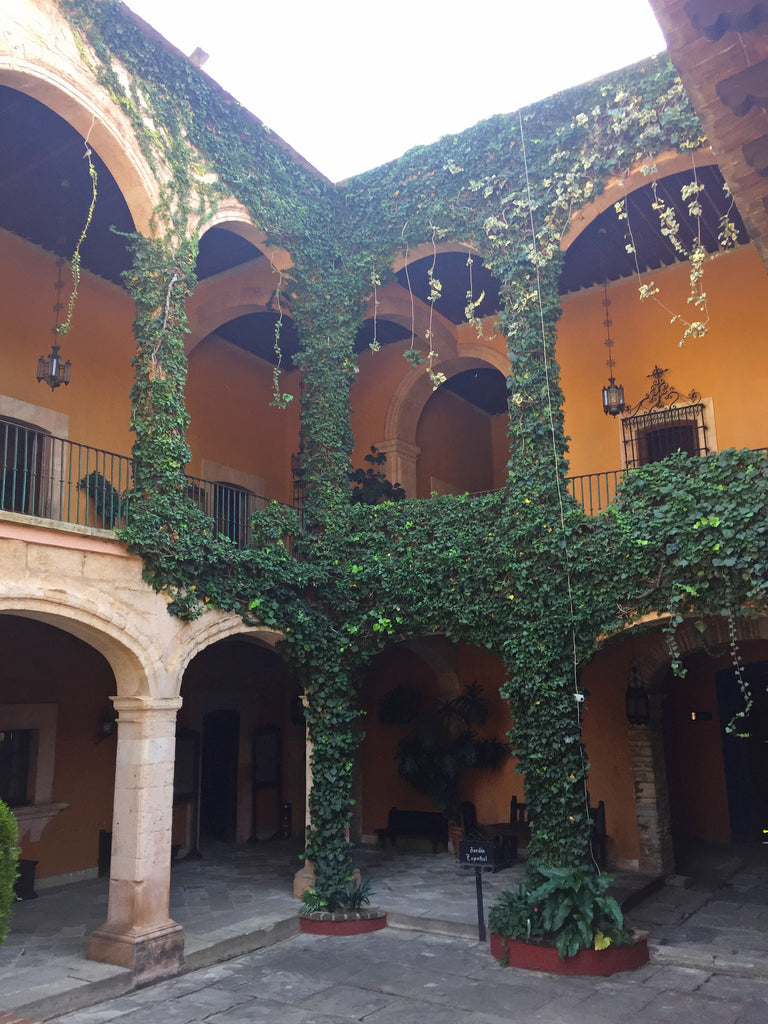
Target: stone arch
410,397
215,626
616,188
247,289
133,659
424,249
233,216
89,109
652,652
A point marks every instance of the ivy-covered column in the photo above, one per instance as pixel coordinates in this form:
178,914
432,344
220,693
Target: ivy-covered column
540,651
547,738
160,281
331,713
327,304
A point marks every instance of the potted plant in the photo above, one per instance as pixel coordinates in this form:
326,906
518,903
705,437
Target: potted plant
344,910
444,741
562,920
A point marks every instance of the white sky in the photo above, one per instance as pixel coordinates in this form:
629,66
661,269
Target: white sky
351,84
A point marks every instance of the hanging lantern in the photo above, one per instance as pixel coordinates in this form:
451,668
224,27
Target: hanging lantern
636,698
52,369
613,398
613,393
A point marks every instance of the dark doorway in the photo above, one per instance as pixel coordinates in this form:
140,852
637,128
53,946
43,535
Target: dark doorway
746,758
218,784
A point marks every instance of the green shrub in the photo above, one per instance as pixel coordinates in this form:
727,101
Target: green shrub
352,896
565,906
9,866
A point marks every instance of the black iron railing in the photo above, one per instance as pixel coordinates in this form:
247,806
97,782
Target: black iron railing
54,478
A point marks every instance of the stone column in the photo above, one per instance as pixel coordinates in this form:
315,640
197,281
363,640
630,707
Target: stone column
646,744
138,933
400,467
305,877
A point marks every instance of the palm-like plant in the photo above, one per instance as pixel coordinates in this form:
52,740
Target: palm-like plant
443,742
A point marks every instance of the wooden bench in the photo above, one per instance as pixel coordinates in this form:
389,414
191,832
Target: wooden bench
415,825
521,828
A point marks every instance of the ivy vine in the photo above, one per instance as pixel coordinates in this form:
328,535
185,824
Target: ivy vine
523,573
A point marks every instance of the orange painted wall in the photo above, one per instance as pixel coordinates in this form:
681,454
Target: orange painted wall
455,441
372,390
42,664
231,421
382,787
718,366
606,740
99,345
695,770
490,792
253,681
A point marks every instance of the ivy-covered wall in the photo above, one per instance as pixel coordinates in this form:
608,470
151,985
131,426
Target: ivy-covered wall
522,572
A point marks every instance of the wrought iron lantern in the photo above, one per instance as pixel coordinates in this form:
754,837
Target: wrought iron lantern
52,369
613,393
636,698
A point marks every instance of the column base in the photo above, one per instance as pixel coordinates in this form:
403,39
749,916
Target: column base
304,879
154,953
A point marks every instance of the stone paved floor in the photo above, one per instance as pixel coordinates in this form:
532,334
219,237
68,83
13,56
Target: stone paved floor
708,937
401,977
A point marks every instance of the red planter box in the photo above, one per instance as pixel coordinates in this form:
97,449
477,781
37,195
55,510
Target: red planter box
355,926
598,962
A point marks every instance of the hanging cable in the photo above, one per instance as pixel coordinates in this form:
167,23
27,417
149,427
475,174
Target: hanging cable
577,693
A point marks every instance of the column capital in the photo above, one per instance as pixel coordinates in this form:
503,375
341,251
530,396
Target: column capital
135,707
395,447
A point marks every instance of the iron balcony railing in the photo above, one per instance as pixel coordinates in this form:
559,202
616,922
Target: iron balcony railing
595,491
54,478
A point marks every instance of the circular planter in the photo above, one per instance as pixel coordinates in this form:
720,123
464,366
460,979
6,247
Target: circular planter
597,962
342,922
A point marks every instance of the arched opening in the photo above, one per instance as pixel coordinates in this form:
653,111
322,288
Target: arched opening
57,747
46,191
461,434
407,689
239,748
717,778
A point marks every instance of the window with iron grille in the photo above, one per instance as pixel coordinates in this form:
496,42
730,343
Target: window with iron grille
659,425
15,754
232,511
21,468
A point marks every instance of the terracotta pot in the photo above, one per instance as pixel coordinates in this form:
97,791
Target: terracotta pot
342,922
598,962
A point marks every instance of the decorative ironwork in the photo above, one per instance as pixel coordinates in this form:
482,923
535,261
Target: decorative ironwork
661,395
663,422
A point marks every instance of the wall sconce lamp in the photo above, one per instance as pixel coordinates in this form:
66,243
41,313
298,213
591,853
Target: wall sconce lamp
636,698
107,725
51,368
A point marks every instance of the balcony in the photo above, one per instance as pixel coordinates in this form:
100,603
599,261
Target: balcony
60,480
57,479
